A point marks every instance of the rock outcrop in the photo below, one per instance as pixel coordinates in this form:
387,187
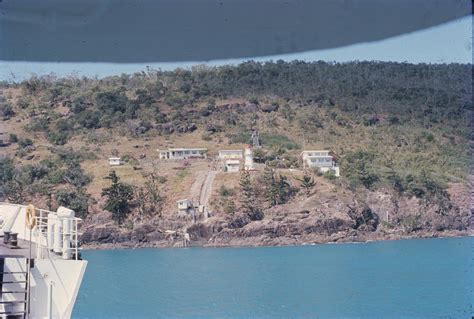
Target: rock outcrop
324,217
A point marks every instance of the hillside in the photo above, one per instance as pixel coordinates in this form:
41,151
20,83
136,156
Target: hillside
401,134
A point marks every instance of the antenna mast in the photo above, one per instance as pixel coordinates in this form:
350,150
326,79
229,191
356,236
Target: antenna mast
255,139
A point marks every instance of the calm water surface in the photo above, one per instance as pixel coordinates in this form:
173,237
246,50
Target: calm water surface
425,278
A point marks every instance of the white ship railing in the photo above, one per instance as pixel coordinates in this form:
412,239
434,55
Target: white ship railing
67,238
71,237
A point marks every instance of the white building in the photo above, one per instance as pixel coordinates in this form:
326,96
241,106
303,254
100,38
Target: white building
232,165
183,153
41,263
115,161
186,208
319,159
231,160
184,204
248,159
231,154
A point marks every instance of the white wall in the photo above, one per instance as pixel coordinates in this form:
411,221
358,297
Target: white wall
65,277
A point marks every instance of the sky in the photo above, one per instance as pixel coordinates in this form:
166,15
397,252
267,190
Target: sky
447,43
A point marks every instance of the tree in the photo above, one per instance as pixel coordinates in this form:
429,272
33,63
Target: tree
18,189
283,189
359,167
271,186
229,206
7,169
259,155
148,197
118,197
248,200
307,182
277,190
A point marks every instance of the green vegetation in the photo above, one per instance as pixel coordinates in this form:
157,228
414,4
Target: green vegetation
225,191
307,183
277,189
118,197
75,200
278,141
394,125
148,197
248,198
22,183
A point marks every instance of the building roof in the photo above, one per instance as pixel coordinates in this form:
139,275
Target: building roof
316,151
311,151
188,149
224,151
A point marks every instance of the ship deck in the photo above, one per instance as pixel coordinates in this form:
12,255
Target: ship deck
23,249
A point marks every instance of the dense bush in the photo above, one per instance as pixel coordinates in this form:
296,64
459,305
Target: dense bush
25,142
277,141
375,116
58,137
358,167
75,200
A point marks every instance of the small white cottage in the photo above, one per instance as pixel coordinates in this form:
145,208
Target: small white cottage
232,165
115,161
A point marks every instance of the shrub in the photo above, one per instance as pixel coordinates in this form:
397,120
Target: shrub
56,177
330,175
393,120
40,124
112,102
371,120
75,176
7,169
23,102
6,110
240,138
13,138
206,137
358,168
78,105
58,137
24,142
225,191
89,119
317,171
254,100
75,200
229,206
277,141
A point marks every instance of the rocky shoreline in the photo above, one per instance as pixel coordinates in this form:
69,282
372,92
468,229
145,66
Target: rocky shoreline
280,242
325,217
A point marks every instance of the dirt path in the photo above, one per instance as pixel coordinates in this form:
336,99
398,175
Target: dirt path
197,186
207,188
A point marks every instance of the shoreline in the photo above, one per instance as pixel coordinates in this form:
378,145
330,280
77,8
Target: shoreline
328,241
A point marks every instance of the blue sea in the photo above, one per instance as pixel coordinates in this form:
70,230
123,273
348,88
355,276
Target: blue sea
419,278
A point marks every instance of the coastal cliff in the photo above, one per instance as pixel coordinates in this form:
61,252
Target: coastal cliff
324,217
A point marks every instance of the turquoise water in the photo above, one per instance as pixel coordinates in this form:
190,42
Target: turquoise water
423,278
